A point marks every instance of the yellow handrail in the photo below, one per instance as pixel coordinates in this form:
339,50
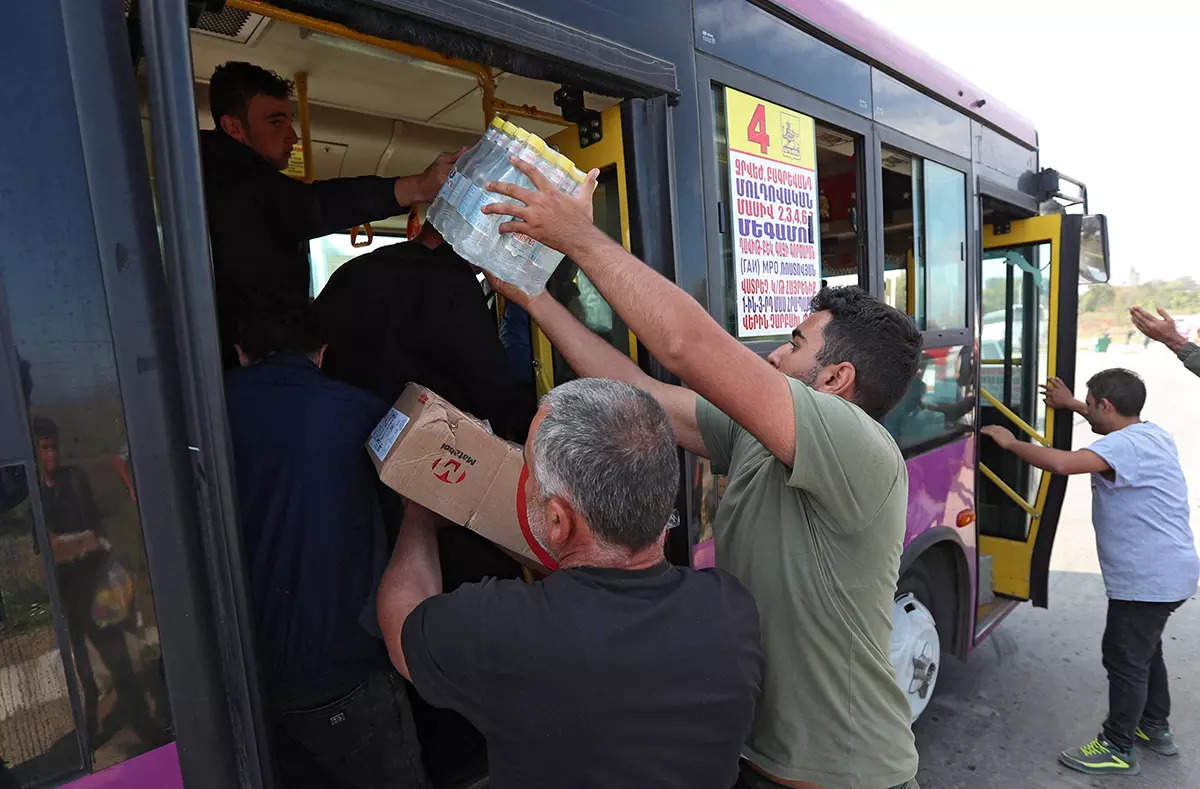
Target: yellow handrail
301,82
1012,494
1016,420
483,75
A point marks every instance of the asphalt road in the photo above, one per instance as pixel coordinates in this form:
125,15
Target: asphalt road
1036,686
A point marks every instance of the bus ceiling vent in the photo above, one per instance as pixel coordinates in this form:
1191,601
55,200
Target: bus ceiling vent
570,101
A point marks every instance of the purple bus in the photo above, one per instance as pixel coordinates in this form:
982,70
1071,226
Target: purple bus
750,151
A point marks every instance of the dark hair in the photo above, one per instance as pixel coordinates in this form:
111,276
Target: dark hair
234,83
881,342
279,330
1123,388
44,427
608,449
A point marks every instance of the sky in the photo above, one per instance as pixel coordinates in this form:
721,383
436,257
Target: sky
1109,88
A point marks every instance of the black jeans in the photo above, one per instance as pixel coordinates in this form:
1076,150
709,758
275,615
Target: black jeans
1137,676
363,739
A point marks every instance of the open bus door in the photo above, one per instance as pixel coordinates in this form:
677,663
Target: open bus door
610,205
1029,284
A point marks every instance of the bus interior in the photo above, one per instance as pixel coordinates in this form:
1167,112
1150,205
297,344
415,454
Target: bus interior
369,106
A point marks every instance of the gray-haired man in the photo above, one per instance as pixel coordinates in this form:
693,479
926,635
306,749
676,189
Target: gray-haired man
619,669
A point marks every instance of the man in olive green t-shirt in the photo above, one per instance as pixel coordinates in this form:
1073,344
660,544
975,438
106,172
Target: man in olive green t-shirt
818,545
813,517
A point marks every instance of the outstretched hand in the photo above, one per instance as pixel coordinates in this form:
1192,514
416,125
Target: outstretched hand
554,218
510,292
430,182
1057,394
1002,436
1161,329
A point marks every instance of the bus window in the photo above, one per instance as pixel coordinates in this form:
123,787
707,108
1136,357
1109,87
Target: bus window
940,401
97,650
903,267
945,247
837,187
1014,359
839,210
328,253
37,719
925,240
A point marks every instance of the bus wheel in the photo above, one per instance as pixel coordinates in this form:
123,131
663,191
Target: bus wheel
916,648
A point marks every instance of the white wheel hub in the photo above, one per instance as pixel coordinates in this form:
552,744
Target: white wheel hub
915,651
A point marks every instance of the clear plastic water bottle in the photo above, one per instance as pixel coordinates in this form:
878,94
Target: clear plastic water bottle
522,247
440,203
444,213
480,229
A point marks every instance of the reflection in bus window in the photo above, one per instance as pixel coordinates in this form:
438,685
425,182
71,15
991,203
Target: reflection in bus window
37,728
940,400
945,221
924,240
58,313
839,215
328,253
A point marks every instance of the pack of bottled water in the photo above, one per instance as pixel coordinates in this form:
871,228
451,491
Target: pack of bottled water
457,211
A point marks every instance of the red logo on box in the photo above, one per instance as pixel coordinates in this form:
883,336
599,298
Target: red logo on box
449,470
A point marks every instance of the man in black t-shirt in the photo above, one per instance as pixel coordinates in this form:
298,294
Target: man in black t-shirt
617,670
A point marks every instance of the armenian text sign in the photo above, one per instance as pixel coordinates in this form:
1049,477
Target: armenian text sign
775,222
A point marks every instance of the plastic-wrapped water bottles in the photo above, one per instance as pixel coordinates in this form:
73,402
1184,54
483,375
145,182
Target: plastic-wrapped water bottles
457,212
452,190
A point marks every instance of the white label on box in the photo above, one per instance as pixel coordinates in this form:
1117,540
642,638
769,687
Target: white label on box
386,433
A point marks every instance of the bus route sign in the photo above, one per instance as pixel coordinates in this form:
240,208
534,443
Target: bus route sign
774,222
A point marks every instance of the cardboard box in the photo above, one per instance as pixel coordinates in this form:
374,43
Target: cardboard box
430,452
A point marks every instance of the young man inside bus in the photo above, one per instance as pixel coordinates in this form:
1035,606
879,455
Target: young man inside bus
619,669
813,519
259,219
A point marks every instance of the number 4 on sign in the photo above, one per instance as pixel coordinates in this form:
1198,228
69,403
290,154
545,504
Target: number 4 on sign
757,130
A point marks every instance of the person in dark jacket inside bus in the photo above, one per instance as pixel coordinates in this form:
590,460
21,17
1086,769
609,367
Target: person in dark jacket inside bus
259,219
311,511
416,312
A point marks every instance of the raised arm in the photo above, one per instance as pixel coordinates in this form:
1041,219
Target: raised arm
413,575
339,203
1056,461
591,357
1163,329
1058,395
671,324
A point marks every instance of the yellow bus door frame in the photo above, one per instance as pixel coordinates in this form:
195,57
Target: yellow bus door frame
1013,559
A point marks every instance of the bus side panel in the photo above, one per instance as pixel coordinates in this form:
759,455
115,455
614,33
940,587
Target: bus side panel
158,768
941,486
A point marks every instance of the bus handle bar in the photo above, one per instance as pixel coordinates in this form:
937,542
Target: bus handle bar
1012,494
1016,420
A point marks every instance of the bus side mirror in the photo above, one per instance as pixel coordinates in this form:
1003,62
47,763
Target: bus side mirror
1093,248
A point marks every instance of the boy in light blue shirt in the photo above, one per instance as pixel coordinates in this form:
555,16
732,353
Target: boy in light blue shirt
1147,556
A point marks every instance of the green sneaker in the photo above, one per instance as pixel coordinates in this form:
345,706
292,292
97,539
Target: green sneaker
1158,740
1100,757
